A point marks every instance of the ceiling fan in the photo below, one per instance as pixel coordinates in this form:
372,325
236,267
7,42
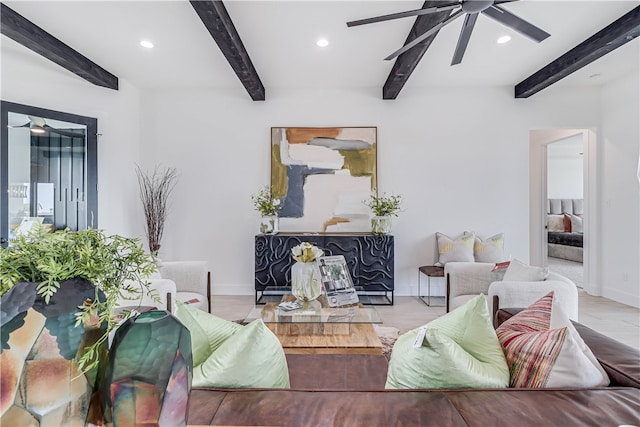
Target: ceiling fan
38,125
471,9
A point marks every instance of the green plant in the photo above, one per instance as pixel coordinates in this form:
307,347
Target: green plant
116,265
384,205
265,203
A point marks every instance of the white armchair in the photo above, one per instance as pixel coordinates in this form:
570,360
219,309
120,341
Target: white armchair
467,279
164,293
192,281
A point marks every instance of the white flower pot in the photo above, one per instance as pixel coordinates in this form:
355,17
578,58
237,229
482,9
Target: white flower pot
381,224
305,281
269,224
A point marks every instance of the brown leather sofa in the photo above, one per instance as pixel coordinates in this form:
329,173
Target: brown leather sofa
348,390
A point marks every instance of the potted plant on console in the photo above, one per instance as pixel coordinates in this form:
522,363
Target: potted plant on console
383,208
268,206
59,296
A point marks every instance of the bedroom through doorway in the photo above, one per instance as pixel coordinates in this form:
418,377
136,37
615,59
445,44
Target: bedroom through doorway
565,210
561,149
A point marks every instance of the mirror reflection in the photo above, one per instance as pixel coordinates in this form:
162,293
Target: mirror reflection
47,174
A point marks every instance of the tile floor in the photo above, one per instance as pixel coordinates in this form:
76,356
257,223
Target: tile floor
613,319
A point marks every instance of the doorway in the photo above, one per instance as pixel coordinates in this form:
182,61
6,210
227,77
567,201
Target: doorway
540,141
48,164
565,210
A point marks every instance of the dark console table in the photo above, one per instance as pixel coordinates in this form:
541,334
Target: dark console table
369,258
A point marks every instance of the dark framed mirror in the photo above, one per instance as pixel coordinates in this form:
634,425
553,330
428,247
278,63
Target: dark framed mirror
48,170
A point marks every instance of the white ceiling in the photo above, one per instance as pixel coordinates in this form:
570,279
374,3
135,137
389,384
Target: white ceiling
280,37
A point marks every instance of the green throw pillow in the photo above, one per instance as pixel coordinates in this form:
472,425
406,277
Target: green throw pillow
250,358
459,350
208,332
228,355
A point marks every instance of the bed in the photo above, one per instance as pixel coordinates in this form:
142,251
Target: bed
564,229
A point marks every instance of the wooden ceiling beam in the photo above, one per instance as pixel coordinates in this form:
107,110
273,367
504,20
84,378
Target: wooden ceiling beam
408,61
604,41
215,18
25,32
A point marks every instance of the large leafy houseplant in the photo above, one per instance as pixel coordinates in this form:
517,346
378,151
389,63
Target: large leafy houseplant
117,266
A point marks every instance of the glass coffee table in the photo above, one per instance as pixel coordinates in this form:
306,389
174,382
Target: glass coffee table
318,329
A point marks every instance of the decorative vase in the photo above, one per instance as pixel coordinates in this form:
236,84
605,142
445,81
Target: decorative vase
381,225
148,376
269,224
42,383
305,281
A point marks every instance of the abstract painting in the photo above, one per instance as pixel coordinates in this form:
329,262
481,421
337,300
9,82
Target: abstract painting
322,176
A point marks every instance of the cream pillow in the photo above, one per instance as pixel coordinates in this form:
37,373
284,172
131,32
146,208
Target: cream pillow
521,272
543,349
555,223
457,350
459,249
490,249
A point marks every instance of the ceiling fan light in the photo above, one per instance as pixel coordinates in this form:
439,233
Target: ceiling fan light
503,39
36,129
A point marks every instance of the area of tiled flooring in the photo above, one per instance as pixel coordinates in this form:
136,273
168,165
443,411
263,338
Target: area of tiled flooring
613,319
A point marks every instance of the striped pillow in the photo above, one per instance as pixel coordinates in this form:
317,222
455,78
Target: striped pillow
543,349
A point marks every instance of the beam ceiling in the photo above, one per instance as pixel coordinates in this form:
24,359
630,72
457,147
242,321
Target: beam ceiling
408,61
215,18
604,41
25,32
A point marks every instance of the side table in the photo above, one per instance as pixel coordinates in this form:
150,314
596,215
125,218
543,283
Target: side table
430,271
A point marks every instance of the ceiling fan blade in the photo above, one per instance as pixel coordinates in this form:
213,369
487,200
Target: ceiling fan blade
423,36
63,132
507,18
406,14
465,35
503,1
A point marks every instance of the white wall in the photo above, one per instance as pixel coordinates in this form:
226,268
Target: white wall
40,83
565,169
458,156
620,191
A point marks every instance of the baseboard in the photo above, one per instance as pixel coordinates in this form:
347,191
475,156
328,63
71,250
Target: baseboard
625,298
231,289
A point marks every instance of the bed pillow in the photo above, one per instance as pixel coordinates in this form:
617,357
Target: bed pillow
229,355
543,349
459,249
490,249
576,224
555,223
457,350
567,223
521,272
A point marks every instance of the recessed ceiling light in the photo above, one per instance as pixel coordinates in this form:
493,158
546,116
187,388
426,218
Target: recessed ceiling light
146,43
504,39
322,42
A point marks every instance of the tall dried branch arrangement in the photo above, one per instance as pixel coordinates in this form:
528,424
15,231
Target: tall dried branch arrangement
155,189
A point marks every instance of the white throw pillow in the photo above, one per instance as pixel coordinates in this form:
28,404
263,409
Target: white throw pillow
576,224
490,249
521,272
459,249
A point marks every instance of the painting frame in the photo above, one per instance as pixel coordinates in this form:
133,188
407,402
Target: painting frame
323,175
